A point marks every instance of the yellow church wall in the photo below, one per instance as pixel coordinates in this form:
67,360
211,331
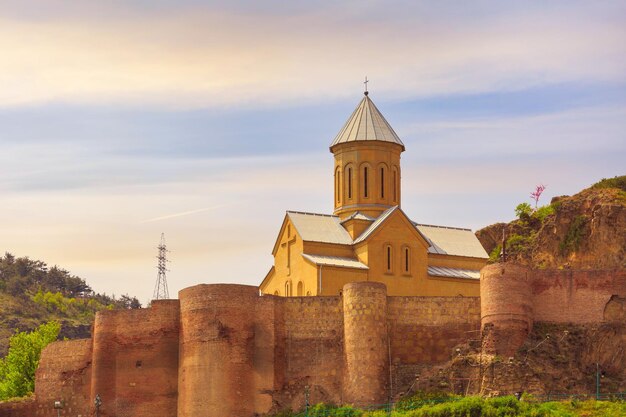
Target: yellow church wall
308,278
334,278
289,266
356,227
398,233
439,286
302,273
462,262
328,249
361,253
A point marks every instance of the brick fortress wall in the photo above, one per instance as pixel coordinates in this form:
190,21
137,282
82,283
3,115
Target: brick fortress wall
227,350
514,297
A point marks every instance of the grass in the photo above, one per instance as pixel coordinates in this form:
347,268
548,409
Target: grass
507,406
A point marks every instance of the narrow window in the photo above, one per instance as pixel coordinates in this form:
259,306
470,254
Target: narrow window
389,256
407,257
365,186
349,182
382,183
395,185
300,289
338,185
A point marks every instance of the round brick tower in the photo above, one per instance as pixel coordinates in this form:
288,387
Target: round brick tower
216,373
506,307
366,349
104,366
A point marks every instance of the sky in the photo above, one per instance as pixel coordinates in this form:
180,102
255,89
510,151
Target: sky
206,121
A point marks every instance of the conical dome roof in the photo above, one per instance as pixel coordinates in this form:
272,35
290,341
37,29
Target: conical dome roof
365,124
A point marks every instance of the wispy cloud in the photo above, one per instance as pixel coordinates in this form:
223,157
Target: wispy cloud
182,214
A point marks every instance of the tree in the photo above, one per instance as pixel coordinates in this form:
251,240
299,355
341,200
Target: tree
537,193
17,369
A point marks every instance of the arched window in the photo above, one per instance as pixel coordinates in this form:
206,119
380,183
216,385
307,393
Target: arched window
300,289
288,289
406,260
308,293
365,182
276,292
395,184
383,178
348,179
388,259
338,185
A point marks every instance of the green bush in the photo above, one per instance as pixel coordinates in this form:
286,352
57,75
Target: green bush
494,255
615,182
518,243
574,235
542,212
523,211
17,369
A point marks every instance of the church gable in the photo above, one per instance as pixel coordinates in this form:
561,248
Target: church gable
400,220
287,248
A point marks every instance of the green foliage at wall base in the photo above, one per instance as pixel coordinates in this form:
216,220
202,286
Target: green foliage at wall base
17,369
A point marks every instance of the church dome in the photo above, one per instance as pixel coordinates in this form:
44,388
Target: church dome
366,124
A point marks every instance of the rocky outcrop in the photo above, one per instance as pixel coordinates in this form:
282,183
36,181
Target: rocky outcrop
587,230
583,231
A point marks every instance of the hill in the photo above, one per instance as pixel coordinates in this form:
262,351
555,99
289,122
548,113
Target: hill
31,293
583,231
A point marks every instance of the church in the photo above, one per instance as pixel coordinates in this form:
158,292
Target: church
368,237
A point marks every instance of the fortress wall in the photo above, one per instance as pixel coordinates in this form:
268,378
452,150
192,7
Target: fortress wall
506,307
424,330
104,370
268,353
514,296
135,360
147,360
64,374
217,346
565,296
311,330
23,408
366,351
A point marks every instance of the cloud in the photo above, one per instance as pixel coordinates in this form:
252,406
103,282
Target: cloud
184,213
198,57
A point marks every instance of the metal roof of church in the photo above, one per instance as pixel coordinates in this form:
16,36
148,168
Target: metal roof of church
335,261
365,124
452,241
319,228
327,228
438,271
